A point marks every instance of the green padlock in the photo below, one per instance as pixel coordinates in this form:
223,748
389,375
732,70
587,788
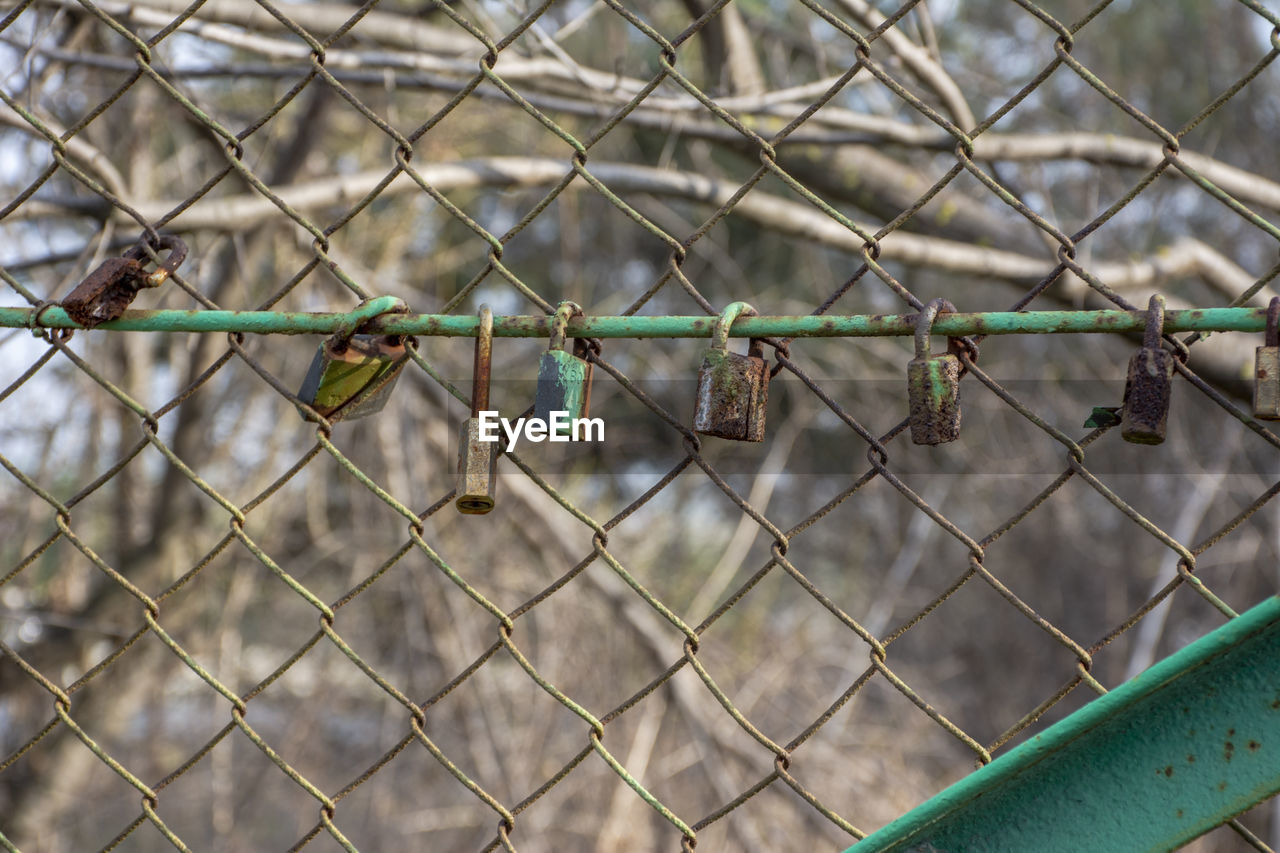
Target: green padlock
564,379
353,377
733,389
933,384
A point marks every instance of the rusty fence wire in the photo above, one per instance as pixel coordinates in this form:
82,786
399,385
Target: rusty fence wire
228,626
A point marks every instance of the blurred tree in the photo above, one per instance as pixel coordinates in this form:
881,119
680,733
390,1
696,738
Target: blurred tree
665,160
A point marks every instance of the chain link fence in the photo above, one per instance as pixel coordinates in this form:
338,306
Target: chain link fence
228,626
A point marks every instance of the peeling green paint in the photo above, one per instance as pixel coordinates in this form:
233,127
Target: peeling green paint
539,326
1160,760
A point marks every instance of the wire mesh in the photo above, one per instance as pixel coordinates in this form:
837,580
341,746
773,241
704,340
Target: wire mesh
226,626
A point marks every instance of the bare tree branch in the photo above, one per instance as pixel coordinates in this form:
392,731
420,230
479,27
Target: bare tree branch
918,60
1101,148
321,19
781,215
608,91
79,148
728,51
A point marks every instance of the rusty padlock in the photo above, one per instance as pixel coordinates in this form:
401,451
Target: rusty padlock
477,458
564,379
1145,408
733,389
1266,371
933,384
108,291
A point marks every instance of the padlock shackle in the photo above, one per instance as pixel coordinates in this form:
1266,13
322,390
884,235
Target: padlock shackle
560,323
368,310
1273,322
720,329
177,254
924,323
483,363
1155,323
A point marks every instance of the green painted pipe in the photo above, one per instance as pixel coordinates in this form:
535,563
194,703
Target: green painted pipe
805,326
1156,762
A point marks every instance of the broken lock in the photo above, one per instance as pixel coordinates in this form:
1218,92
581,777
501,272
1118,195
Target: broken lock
1266,374
477,458
733,389
1145,408
933,384
564,379
108,291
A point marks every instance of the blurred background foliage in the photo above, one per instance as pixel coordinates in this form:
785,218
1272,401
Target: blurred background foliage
1064,150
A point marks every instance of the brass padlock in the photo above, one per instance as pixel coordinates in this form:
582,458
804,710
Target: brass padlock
107,291
933,384
1266,374
477,458
1145,408
564,379
352,377
733,389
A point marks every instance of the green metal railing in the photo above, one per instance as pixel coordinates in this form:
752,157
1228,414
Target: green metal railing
525,326
1185,746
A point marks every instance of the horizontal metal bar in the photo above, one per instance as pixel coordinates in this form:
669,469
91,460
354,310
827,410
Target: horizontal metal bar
539,326
1158,761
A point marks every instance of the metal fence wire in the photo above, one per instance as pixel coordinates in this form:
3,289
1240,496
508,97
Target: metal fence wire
227,625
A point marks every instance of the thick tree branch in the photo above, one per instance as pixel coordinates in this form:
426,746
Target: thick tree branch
80,149
918,60
1248,187
780,215
887,186
322,19
728,53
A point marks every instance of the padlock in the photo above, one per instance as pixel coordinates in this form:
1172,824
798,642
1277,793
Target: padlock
564,379
1266,372
933,384
477,458
1145,408
107,291
353,377
733,389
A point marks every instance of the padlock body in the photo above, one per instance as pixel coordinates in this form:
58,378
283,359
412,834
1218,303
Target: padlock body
105,293
355,380
933,393
476,465
733,394
1266,384
564,385
1146,396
